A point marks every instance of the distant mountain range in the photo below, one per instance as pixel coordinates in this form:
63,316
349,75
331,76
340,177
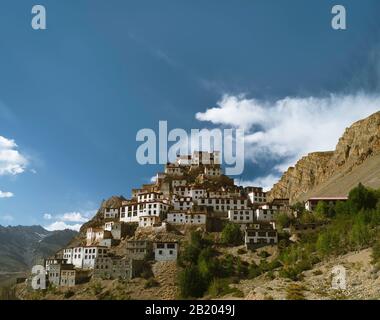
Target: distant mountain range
21,246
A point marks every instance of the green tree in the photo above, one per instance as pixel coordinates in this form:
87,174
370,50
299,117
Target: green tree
323,244
376,252
321,210
283,220
359,235
361,198
191,283
232,234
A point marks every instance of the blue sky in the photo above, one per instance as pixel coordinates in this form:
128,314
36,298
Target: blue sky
72,97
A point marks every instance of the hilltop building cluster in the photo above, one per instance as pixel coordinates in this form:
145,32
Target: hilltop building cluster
192,191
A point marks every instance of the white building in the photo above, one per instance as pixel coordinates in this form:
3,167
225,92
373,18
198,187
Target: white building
212,171
197,193
132,212
108,226
150,196
129,212
241,216
257,195
205,158
183,191
94,235
260,234
68,255
178,183
111,213
77,257
223,205
312,203
173,170
148,221
182,203
165,250
178,217
91,253
265,214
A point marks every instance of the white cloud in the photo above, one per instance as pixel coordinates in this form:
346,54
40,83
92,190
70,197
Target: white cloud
68,220
12,162
153,179
61,225
5,194
7,218
289,128
265,182
73,217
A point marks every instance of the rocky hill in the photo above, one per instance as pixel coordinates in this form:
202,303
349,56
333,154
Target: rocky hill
355,159
21,246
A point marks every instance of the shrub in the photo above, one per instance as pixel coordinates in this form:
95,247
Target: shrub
254,271
232,234
220,287
151,283
68,294
242,251
376,252
96,288
361,198
264,254
191,283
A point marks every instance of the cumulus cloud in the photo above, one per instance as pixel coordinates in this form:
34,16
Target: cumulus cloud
68,220
7,218
47,216
266,182
289,128
5,194
61,225
12,162
73,217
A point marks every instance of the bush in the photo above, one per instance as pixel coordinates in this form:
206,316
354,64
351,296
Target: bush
220,287
264,254
361,198
191,283
96,288
68,294
232,234
242,251
376,252
254,271
151,283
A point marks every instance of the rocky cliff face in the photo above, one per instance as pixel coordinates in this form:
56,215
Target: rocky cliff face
359,143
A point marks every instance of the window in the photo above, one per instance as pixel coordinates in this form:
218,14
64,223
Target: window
170,246
160,246
160,252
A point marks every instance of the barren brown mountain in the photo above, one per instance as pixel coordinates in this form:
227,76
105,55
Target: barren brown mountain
355,159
